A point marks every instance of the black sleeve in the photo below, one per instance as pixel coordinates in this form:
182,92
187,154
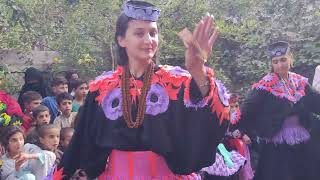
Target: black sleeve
312,99
249,111
84,151
195,133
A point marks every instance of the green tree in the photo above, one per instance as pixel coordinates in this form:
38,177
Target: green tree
82,32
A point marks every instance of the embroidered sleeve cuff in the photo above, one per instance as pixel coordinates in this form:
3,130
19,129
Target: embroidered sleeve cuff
217,97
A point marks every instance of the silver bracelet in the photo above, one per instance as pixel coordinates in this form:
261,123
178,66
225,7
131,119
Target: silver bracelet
207,83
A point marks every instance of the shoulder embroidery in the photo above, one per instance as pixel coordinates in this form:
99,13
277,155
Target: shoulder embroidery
106,83
293,90
171,78
218,97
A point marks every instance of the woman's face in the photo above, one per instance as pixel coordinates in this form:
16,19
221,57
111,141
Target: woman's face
141,40
15,143
281,64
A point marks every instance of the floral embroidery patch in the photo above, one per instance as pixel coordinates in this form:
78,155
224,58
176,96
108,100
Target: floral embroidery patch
112,104
222,92
157,100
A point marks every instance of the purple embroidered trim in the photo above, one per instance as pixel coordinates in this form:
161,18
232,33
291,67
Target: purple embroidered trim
105,74
220,169
222,92
200,104
291,133
177,71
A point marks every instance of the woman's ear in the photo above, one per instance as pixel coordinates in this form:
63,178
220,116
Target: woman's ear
121,41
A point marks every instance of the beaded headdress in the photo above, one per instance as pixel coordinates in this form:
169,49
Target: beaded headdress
141,11
279,48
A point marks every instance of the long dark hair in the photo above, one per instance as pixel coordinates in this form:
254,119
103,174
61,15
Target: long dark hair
121,29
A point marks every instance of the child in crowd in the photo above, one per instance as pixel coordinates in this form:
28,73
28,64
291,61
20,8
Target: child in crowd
233,165
30,100
65,137
66,118
59,85
71,75
238,140
49,137
23,161
41,116
80,89
246,173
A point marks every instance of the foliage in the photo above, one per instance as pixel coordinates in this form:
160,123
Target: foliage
82,31
8,81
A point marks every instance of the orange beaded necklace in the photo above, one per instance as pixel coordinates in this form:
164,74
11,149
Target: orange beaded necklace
126,97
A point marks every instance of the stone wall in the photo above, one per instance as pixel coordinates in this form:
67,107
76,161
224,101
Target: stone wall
18,62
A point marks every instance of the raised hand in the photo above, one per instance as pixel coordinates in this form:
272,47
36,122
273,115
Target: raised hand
199,47
199,44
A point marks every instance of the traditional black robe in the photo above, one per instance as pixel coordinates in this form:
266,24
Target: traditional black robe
179,124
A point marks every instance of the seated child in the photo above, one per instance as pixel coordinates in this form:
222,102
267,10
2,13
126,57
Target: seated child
49,137
66,119
31,100
23,161
65,137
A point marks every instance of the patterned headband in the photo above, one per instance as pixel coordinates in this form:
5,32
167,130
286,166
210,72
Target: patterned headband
141,12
